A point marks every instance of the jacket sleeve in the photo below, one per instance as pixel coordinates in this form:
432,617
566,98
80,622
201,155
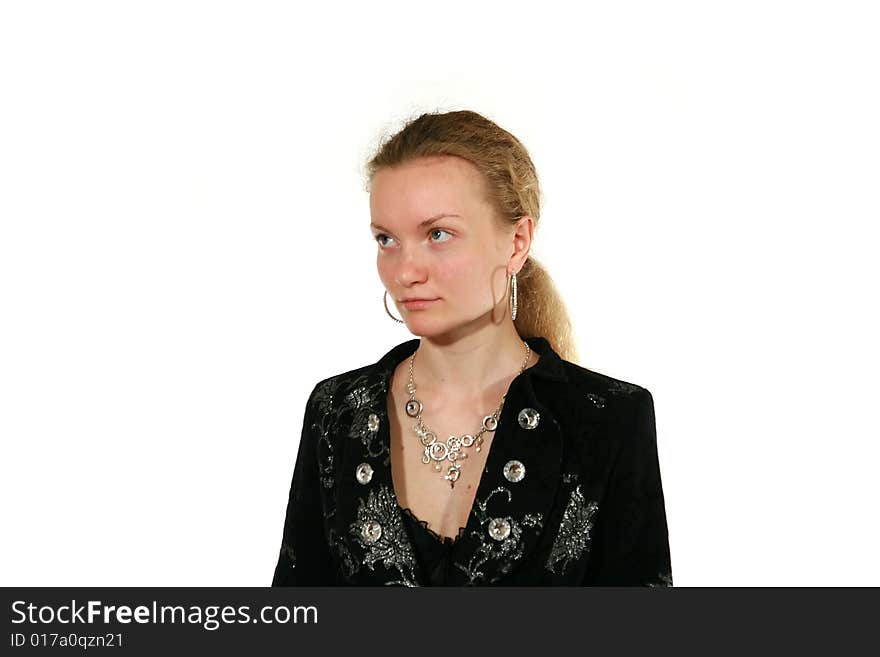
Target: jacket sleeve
304,558
631,541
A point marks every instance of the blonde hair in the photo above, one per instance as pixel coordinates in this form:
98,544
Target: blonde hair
511,184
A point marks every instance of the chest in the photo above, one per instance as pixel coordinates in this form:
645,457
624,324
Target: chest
420,486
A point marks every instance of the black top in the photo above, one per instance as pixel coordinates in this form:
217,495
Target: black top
589,510
433,551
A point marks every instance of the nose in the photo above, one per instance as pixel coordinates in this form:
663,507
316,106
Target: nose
410,270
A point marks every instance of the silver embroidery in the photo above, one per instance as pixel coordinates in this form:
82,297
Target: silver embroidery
358,397
366,402
665,580
597,400
392,547
349,563
342,402
323,397
325,461
506,551
287,551
373,447
622,387
323,424
573,538
357,405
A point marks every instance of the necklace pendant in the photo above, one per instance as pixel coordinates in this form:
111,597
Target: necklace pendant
452,474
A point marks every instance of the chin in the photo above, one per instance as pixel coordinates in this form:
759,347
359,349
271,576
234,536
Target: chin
425,327
438,331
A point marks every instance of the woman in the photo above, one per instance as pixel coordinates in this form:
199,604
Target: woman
475,454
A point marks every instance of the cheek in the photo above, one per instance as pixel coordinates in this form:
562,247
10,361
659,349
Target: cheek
467,275
454,269
383,269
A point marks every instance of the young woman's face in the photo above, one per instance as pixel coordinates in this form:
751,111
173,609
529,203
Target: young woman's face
459,261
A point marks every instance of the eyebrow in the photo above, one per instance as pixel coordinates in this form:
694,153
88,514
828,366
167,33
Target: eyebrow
426,222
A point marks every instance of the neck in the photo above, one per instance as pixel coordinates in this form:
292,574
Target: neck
471,364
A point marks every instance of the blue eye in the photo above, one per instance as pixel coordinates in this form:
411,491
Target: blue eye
379,236
440,230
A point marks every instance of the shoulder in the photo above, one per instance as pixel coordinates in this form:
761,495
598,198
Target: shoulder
605,415
350,389
598,381
595,405
601,389
628,408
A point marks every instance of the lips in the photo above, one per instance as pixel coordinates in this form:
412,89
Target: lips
418,304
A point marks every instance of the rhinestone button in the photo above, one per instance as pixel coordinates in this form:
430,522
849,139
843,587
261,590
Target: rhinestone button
371,530
514,471
373,422
364,473
528,418
499,529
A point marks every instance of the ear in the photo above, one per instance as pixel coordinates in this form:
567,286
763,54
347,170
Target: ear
522,243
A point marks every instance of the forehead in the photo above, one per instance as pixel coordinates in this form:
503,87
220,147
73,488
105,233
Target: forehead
425,187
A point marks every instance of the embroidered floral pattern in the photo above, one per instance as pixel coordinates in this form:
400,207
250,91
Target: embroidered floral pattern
365,399
322,399
358,397
349,564
323,424
339,402
573,538
392,546
504,552
326,467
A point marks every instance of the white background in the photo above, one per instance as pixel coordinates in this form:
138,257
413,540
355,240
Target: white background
185,252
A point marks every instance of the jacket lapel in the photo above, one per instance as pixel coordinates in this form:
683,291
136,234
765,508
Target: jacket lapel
369,520
509,516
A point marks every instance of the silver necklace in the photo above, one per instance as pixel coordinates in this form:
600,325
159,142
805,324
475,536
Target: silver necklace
452,449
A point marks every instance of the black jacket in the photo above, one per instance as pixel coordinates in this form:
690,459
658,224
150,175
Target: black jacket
589,510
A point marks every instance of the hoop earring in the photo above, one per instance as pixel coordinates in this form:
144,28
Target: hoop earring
513,296
385,301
